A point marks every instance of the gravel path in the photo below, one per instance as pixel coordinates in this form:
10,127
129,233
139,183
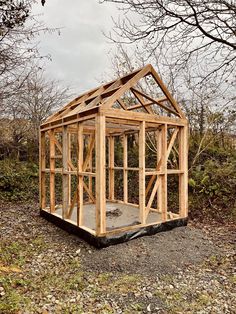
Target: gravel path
46,270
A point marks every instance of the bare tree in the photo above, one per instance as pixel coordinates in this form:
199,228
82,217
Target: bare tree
188,31
18,47
209,107
26,110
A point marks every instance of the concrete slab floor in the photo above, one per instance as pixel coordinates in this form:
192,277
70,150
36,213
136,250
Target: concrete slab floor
117,215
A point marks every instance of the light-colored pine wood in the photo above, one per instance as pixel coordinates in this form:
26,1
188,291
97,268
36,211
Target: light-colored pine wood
111,145
183,165
90,167
69,168
100,175
142,214
125,171
42,166
140,116
65,181
159,155
167,93
80,141
52,171
164,176
137,92
86,116
154,191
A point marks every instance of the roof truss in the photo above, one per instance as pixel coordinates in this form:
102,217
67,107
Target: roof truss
107,95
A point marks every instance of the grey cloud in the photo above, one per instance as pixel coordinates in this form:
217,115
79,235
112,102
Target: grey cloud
79,54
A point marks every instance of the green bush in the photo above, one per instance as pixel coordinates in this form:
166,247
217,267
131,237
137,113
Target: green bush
212,189
18,181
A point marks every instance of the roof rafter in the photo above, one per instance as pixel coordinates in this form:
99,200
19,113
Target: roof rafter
107,94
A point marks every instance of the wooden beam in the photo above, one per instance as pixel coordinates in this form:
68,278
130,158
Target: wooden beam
141,100
121,102
166,92
74,169
100,176
160,99
183,165
125,172
42,166
52,171
164,176
172,141
159,155
142,73
90,165
154,101
155,189
142,214
69,168
111,167
65,181
89,153
160,161
80,142
140,116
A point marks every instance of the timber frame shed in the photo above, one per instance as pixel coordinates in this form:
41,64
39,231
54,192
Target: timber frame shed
109,157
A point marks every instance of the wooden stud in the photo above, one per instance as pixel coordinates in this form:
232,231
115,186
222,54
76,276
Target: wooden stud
111,143
142,215
52,171
183,165
164,176
69,168
159,155
42,166
65,181
80,141
90,167
100,175
125,172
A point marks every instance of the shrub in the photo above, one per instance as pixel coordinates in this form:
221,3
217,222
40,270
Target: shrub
18,181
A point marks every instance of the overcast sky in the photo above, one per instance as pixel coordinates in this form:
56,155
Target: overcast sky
80,53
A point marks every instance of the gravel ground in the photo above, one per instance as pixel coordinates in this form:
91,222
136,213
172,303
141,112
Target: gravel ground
46,270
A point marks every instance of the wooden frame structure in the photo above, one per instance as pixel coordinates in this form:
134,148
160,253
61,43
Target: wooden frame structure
78,150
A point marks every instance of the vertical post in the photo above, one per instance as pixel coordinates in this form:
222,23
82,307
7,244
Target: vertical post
142,214
159,156
125,172
69,168
90,183
52,171
183,166
42,165
164,171
111,167
100,175
65,181
80,189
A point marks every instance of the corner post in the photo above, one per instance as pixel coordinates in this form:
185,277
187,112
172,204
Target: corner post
183,166
100,175
42,165
142,214
52,171
80,188
164,175
65,179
